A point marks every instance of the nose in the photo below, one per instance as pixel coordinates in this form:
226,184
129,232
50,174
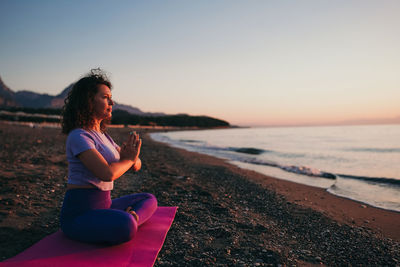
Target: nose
111,102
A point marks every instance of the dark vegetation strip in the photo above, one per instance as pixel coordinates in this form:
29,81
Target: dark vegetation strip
119,117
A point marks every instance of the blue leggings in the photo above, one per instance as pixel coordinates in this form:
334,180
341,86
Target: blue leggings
89,215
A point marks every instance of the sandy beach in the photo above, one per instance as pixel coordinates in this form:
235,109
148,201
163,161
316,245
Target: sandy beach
226,215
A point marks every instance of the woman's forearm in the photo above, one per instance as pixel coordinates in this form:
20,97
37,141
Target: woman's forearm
117,169
95,162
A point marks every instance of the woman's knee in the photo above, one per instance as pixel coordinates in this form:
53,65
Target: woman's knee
124,230
148,200
151,203
152,198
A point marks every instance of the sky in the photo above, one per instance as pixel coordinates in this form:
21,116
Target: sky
251,63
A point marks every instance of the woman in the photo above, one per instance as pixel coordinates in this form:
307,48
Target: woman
95,161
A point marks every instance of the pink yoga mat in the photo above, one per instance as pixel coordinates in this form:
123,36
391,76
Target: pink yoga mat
57,250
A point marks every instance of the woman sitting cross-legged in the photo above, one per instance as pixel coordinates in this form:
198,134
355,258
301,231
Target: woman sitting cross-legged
88,214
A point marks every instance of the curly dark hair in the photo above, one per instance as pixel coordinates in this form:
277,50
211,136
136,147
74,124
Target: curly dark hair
78,106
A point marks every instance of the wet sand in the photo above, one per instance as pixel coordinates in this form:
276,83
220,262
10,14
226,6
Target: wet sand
226,215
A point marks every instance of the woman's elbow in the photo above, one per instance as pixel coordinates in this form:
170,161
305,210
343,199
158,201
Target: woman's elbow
137,166
107,177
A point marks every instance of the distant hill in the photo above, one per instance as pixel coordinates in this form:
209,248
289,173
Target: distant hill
29,99
7,96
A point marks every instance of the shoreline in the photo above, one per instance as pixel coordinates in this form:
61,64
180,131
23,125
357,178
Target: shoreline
226,215
331,181
382,221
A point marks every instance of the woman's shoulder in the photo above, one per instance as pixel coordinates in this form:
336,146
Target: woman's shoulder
79,133
80,140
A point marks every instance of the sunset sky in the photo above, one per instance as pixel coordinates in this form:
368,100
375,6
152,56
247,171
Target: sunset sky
247,62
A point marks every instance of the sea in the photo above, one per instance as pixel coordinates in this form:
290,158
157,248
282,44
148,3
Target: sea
361,163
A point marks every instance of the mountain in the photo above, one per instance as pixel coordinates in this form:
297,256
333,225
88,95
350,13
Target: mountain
58,100
7,96
29,99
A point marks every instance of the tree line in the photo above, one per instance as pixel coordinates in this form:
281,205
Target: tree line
119,117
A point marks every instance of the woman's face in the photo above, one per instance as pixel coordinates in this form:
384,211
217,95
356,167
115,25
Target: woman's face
102,103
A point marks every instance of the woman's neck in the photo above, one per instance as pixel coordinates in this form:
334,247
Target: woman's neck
96,126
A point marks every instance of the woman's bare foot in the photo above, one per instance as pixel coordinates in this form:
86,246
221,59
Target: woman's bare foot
133,213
